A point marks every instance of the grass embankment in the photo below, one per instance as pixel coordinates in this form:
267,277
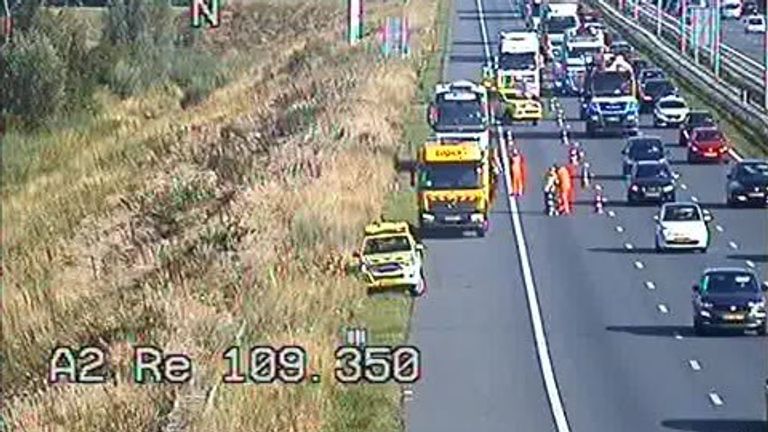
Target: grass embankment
186,228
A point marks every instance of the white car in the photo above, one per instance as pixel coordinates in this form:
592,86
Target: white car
754,24
670,110
682,225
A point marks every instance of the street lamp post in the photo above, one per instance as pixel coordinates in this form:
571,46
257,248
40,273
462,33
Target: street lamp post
683,15
718,37
658,18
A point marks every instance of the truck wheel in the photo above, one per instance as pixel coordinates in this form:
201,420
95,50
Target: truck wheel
480,232
535,122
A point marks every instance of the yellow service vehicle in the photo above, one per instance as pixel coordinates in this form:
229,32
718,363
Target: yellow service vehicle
392,256
455,186
519,105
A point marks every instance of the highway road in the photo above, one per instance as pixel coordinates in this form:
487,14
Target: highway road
616,316
751,44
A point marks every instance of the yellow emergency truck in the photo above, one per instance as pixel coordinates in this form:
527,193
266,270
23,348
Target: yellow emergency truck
455,182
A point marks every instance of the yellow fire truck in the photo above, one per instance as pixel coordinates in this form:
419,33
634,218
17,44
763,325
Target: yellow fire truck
455,186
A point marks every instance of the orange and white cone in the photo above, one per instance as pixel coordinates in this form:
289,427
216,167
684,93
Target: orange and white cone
599,200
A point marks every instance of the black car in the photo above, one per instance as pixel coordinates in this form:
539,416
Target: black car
623,48
642,148
748,183
749,8
651,181
654,89
650,73
729,299
695,119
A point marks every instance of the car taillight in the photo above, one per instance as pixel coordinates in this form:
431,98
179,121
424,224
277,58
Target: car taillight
723,149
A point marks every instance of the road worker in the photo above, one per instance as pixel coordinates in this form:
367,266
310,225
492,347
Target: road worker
551,187
517,167
564,179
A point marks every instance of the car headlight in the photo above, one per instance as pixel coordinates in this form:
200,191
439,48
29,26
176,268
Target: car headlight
594,117
757,307
631,117
428,217
634,188
668,188
666,232
477,217
706,305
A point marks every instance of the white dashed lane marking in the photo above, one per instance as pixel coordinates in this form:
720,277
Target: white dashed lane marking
619,228
611,213
650,285
678,336
750,264
639,265
719,228
694,198
663,308
733,245
683,186
628,246
716,399
694,364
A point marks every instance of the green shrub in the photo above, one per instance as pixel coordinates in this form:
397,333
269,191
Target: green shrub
197,73
33,78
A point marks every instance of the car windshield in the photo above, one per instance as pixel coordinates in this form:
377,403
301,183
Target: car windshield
755,21
451,176
756,171
653,74
535,9
646,150
612,84
559,24
517,61
619,48
729,282
700,119
460,113
377,245
577,52
659,87
672,104
653,171
709,135
681,213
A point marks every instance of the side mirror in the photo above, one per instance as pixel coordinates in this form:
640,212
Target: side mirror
765,286
432,114
695,288
675,175
707,215
420,247
656,218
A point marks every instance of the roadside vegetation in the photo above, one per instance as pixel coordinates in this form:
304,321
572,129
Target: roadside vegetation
194,190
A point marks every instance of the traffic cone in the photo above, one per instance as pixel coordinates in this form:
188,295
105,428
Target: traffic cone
585,176
599,200
564,134
550,203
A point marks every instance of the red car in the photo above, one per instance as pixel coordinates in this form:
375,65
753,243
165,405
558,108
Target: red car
707,144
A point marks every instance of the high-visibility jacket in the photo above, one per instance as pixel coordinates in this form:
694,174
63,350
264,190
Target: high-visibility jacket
518,165
550,182
564,177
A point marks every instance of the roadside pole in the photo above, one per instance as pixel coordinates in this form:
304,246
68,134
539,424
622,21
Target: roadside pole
658,18
718,37
354,21
683,26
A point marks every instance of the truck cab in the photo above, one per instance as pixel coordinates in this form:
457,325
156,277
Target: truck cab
454,186
582,48
609,104
461,110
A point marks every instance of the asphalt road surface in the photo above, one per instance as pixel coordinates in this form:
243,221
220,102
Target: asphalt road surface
751,44
616,315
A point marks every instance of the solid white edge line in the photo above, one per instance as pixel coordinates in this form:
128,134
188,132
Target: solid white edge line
715,399
542,347
694,364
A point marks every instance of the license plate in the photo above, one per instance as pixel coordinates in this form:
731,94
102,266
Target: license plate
733,317
653,194
756,194
612,119
710,154
452,218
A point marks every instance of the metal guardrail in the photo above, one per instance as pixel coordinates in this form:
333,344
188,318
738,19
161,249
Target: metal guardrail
720,94
737,68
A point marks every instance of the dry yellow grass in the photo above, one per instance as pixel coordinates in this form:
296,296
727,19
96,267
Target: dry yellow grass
178,228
